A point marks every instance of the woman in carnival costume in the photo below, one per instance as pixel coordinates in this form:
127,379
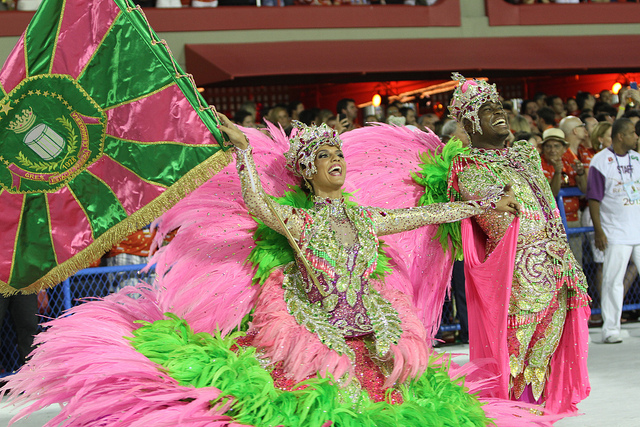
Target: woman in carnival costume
328,342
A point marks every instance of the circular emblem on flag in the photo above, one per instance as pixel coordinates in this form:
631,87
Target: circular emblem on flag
51,131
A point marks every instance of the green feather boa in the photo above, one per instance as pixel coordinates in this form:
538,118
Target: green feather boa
272,249
434,177
203,360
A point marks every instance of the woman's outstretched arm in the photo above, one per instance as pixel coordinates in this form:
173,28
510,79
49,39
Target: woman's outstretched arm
253,193
391,221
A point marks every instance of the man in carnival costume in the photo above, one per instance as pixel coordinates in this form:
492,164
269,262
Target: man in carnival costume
527,296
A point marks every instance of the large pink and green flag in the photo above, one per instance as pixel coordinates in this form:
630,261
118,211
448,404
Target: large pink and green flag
100,132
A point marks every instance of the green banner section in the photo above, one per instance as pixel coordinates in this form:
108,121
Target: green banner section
41,37
146,160
123,68
102,207
35,238
53,131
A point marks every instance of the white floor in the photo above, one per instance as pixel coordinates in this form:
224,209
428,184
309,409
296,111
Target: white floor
615,386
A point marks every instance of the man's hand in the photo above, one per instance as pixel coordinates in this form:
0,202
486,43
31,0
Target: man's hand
508,202
601,240
557,164
342,124
578,166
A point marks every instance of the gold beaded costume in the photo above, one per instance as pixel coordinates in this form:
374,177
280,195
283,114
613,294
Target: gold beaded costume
547,281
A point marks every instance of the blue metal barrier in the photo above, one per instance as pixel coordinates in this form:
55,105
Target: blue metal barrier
570,192
87,283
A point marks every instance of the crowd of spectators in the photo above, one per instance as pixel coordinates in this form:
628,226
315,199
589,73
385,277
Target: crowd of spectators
345,117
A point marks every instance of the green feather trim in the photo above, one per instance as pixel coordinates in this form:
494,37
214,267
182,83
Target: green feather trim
203,360
272,249
434,177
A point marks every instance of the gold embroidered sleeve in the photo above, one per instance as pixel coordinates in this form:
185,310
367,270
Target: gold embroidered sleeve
256,199
391,221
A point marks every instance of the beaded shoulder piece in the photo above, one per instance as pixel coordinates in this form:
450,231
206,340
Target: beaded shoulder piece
272,249
434,177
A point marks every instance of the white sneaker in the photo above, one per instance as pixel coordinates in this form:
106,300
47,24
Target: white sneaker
613,339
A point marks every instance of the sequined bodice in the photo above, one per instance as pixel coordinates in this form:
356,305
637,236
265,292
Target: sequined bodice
519,167
339,242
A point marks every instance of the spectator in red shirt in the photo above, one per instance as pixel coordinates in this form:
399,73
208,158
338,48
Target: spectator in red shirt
577,138
563,169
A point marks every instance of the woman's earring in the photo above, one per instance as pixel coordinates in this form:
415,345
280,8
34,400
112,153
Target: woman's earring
308,185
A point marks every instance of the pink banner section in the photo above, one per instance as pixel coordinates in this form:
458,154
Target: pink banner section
133,192
83,27
64,210
11,208
14,69
162,116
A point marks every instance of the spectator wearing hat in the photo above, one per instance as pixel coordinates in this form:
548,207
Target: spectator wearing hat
563,169
560,168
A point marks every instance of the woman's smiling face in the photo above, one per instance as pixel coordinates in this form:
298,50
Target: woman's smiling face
331,171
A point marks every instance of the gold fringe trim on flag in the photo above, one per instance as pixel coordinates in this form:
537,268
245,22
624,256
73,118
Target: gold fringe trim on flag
172,195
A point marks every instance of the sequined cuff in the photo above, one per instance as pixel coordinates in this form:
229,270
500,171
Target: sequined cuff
245,151
249,178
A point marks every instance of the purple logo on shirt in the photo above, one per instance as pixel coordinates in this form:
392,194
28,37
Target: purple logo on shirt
628,169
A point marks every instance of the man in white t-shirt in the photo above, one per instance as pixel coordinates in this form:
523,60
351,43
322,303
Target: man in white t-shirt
613,190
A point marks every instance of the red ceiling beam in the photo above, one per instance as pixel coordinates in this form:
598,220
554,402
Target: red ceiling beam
210,63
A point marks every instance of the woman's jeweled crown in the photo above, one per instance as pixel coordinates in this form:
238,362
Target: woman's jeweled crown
303,144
